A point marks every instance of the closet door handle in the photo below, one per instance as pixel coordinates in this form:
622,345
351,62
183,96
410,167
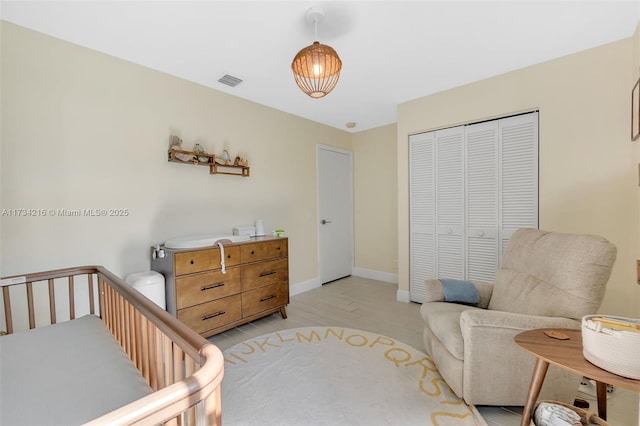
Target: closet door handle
209,287
217,314
266,274
264,299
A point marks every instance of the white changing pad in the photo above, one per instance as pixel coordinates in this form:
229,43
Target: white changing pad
65,374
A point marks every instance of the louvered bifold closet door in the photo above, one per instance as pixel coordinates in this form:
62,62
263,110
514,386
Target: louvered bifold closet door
518,147
450,214
471,187
482,201
421,212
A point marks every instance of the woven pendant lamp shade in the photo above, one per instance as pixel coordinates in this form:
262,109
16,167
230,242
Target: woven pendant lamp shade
316,69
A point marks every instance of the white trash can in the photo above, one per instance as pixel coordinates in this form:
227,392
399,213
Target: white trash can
150,284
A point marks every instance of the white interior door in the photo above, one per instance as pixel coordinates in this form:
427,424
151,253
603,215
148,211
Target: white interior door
335,213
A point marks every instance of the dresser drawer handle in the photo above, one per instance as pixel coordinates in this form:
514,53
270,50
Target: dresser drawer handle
253,252
264,299
217,314
266,274
209,287
192,261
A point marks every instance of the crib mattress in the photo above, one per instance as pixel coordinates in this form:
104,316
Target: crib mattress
65,374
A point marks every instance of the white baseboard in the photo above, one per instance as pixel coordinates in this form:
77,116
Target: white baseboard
375,275
304,286
403,296
358,272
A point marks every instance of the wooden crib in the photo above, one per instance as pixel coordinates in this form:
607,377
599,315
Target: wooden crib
182,370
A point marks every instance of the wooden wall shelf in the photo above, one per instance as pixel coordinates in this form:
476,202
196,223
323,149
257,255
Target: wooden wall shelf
211,158
214,168
223,169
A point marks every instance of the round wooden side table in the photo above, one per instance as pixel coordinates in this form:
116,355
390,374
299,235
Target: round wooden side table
566,354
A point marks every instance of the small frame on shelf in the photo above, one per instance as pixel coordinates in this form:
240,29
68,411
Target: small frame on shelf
635,111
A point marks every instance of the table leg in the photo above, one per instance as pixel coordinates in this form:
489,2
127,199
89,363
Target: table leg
539,372
601,392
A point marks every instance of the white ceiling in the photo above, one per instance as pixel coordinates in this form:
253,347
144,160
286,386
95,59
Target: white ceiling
392,51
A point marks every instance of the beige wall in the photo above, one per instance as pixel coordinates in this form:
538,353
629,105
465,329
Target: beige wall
588,166
375,203
81,129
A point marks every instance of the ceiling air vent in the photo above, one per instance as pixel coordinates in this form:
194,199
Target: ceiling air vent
229,80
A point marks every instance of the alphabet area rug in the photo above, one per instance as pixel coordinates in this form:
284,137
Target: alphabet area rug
336,376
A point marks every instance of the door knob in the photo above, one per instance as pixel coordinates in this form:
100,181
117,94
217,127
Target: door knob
324,221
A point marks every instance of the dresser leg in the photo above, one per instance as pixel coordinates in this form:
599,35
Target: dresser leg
283,312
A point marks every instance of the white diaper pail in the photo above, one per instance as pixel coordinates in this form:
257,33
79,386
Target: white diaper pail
150,284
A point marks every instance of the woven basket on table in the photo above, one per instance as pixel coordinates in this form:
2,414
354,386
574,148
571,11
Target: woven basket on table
586,416
616,352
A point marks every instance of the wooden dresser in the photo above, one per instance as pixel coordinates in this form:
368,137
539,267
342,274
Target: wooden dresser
198,293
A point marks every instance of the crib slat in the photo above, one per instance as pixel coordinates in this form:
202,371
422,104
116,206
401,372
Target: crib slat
151,345
213,416
167,355
91,297
8,317
72,304
145,349
138,329
120,318
52,302
134,337
32,318
101,297
190,368
129,313
177,364
158,357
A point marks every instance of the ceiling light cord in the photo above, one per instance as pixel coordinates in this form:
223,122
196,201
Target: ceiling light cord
315,24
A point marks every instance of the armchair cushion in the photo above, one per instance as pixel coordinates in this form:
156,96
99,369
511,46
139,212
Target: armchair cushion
435,292
553,274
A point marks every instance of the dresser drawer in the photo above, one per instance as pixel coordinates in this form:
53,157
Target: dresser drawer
263,250
206,286
210,315
264,298
264,273
204,260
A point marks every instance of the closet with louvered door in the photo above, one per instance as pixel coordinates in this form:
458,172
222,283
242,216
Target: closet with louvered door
449,201
422,212
518,175
471,187
481,184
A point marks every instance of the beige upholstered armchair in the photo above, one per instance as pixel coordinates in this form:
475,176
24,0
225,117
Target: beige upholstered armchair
547,280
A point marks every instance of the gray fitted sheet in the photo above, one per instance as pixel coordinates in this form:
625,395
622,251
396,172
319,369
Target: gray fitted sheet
65,374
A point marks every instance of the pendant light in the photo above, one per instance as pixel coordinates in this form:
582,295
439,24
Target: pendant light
316,68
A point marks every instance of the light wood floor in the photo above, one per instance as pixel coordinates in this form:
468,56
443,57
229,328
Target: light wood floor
370,305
